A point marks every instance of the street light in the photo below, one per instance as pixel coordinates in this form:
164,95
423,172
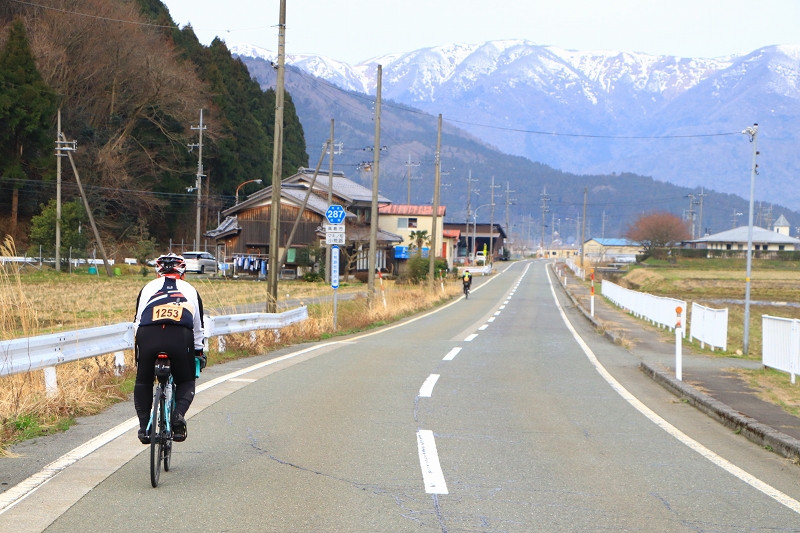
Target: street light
474,227
242,185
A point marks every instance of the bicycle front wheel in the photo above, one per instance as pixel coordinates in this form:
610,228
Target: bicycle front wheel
156,436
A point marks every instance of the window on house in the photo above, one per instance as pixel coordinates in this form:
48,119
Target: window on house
406,223
758,247
727,246
781,247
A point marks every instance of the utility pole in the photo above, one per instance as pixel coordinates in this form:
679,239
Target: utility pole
553,228
690,212
508,203
492,187
436,182
330,202
410,164
373,218
583,228
469,211
277,168
603,234
545,210
199,178
735,219
701,196
86,202
59,155
751,132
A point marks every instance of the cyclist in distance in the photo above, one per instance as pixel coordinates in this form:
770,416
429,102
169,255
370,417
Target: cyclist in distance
169,319
467,279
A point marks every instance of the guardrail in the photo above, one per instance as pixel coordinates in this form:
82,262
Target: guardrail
657,309
578,271
780,344
45,352
709,326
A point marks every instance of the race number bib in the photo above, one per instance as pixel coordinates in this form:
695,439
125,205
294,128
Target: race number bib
168,312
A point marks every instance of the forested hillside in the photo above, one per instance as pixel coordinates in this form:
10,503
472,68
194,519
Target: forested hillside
129,93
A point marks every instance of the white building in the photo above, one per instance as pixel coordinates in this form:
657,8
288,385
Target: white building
736,239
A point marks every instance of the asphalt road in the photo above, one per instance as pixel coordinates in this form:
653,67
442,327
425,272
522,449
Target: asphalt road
520,432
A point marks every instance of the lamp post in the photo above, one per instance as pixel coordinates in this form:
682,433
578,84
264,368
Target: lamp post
242,185
474,229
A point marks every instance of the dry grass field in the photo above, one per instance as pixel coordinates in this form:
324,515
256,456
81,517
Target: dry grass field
714,283
34,303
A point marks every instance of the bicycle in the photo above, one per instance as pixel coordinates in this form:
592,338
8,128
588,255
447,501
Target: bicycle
160,426
466,290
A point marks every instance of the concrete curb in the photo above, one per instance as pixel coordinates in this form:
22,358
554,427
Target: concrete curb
755,431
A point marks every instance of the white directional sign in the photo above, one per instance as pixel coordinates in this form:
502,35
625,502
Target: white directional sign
335,267
334,228
334,238
335,214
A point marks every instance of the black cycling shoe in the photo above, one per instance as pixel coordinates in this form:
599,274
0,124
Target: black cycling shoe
144,437
179,428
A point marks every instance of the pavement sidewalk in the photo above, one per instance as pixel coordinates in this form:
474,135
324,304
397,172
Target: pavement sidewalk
708,383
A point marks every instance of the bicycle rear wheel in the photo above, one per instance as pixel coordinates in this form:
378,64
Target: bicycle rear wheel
168,435
156,436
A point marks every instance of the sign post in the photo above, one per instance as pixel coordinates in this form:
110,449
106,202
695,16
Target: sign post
335,235
334,279
678,347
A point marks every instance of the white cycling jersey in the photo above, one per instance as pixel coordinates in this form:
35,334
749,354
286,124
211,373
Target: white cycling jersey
169,300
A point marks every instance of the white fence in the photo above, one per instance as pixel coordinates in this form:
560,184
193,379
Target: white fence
709,326
780,344
578,271
656,309
44,352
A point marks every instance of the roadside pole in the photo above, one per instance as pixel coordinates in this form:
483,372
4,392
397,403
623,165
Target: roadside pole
678,346
592,299
383,291
334,280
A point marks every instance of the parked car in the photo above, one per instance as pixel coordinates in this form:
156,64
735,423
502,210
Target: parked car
201,262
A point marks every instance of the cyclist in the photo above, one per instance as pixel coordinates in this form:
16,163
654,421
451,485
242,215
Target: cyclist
467,280
169,319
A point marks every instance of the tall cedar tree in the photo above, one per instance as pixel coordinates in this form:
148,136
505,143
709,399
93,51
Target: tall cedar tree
27,106
246,113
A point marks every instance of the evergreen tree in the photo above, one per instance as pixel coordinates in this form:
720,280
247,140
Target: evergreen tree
27,106
73,224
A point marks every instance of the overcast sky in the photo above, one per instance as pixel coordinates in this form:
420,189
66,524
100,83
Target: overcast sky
355,30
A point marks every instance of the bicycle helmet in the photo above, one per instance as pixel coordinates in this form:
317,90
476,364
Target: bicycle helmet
170,264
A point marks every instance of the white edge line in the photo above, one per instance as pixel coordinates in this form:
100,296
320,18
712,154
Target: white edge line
471,337
427,386
432,475
451,354
726,465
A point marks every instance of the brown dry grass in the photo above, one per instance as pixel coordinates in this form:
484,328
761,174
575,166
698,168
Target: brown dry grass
34,306
772,386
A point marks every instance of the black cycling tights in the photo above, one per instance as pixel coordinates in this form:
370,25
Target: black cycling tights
178,343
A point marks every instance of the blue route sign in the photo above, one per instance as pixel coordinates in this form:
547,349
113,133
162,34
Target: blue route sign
335,214
335,267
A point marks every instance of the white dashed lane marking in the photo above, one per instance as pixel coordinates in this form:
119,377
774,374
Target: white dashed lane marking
491,319
451,354
432,475
483,327
471,337
427,387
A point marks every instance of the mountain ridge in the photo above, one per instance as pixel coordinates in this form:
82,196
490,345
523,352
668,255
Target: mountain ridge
517,87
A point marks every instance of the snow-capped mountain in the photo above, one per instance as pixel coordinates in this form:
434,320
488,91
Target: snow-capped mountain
504,91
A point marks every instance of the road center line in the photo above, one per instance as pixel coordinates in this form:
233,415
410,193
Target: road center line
491,319
432,475
471,337
726,465
497,313
502,307
427,387
451,354
483,327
